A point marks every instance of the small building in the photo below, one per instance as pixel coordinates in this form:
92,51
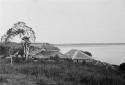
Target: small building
46,51
78,55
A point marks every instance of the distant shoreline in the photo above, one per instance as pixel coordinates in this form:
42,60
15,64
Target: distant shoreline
78,44
90,44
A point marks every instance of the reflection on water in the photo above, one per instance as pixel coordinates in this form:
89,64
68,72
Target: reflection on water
114,54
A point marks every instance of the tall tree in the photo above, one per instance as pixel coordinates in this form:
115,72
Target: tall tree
26,34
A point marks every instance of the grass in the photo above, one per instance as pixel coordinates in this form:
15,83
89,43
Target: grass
58,73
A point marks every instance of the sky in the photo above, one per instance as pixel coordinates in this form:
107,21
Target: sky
67,21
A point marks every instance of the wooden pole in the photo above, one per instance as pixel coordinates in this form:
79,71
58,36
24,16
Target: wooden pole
11,60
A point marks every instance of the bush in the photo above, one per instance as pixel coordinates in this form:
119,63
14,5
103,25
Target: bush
56,57
88,53
3,79
122,66
18,60
4,50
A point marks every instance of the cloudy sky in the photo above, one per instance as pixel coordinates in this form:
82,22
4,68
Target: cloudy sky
67,21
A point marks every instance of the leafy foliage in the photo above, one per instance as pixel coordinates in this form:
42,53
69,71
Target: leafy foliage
3,50
26,34
21,29
122,66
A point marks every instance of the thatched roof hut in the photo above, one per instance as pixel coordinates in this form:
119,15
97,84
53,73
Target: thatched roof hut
77,54
46,50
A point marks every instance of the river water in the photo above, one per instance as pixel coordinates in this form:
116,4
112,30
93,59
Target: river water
113,54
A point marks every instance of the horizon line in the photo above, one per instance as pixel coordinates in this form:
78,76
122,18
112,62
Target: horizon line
91,44
115,43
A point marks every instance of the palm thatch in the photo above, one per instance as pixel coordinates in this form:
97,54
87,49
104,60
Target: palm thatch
77,54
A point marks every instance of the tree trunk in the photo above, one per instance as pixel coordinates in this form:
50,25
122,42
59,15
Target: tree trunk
26,50
11,57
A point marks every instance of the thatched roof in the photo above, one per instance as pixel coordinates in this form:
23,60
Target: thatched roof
48,54
43,48
77,54
46,46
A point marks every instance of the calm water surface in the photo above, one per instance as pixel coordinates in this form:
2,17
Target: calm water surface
114,54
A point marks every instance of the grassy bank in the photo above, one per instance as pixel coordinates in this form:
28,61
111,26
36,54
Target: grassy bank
58,73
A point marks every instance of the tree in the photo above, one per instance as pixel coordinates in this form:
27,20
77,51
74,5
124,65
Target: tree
122,66
26,34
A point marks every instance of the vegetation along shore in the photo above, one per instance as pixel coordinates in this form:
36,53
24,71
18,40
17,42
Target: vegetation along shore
27,63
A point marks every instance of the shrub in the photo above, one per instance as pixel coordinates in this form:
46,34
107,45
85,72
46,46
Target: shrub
88,53
56,58
122,66
18,60
4,50
3,79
